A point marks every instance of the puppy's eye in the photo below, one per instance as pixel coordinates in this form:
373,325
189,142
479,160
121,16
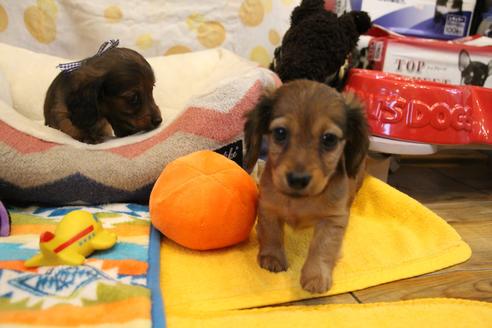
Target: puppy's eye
329,141
135,100
279,135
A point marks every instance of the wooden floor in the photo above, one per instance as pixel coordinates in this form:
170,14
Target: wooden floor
458,187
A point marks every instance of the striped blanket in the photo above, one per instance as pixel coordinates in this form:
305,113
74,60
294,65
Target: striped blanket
113,288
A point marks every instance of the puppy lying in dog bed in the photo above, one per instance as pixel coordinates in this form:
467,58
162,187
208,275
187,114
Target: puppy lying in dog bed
202,96
105,94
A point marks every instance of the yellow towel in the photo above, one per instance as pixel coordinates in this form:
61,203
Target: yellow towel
424,313
390,236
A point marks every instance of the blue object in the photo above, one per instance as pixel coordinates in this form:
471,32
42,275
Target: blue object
153,279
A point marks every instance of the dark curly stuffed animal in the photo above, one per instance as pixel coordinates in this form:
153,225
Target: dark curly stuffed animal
318,43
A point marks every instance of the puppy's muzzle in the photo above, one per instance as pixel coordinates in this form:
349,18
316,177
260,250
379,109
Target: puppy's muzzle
298,180
156,118
156,121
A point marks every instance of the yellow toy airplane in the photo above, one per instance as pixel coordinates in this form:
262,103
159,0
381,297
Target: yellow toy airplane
77,235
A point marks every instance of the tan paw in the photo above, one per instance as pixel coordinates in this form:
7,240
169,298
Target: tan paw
272,263
316,280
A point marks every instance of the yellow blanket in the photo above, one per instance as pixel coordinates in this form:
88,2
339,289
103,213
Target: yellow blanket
390,236
424,313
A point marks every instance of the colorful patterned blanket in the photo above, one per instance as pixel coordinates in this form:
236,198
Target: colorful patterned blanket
116,287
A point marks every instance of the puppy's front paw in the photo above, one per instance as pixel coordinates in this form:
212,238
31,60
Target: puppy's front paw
272,263
93,140
316,279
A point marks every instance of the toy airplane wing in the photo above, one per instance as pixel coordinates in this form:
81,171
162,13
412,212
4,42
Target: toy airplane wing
70,258
48,258
104,240
34,261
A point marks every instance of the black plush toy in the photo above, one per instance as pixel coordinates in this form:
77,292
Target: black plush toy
318,43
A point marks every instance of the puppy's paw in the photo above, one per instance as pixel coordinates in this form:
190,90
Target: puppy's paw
272,263
316,280
93,140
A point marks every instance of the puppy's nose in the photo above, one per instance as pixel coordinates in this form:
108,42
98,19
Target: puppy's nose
156,121
298,180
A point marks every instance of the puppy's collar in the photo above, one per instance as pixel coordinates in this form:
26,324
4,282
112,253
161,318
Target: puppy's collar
69,67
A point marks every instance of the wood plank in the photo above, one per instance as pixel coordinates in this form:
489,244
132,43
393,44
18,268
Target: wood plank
335,299
463,210
447,156
478,235
477,176
474,285
430,186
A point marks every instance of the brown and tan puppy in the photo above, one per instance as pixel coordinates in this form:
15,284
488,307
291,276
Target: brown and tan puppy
108,93
317,145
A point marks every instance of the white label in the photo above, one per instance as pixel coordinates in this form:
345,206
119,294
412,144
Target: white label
480,42
379,8
378,51
427,64
455,25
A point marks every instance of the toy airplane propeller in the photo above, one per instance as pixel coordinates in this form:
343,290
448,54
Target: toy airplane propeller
77,235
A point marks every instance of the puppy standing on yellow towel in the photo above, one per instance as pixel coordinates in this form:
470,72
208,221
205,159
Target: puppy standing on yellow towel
317,145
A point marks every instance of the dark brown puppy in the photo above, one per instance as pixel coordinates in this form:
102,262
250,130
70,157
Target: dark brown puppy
110,92
317,145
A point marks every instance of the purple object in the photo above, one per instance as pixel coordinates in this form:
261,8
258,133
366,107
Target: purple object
4,221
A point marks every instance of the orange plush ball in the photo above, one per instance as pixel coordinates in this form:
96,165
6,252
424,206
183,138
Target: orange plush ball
204,201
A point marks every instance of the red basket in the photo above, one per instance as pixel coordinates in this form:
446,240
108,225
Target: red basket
406,109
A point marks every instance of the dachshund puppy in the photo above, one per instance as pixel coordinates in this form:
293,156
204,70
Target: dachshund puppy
107,93
317,145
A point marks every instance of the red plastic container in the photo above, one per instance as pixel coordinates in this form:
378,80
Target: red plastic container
406,109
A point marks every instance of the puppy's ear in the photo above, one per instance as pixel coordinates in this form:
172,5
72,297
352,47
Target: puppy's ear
82,102
357,134
257,123
463,60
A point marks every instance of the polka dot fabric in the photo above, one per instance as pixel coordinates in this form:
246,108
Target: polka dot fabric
76,28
